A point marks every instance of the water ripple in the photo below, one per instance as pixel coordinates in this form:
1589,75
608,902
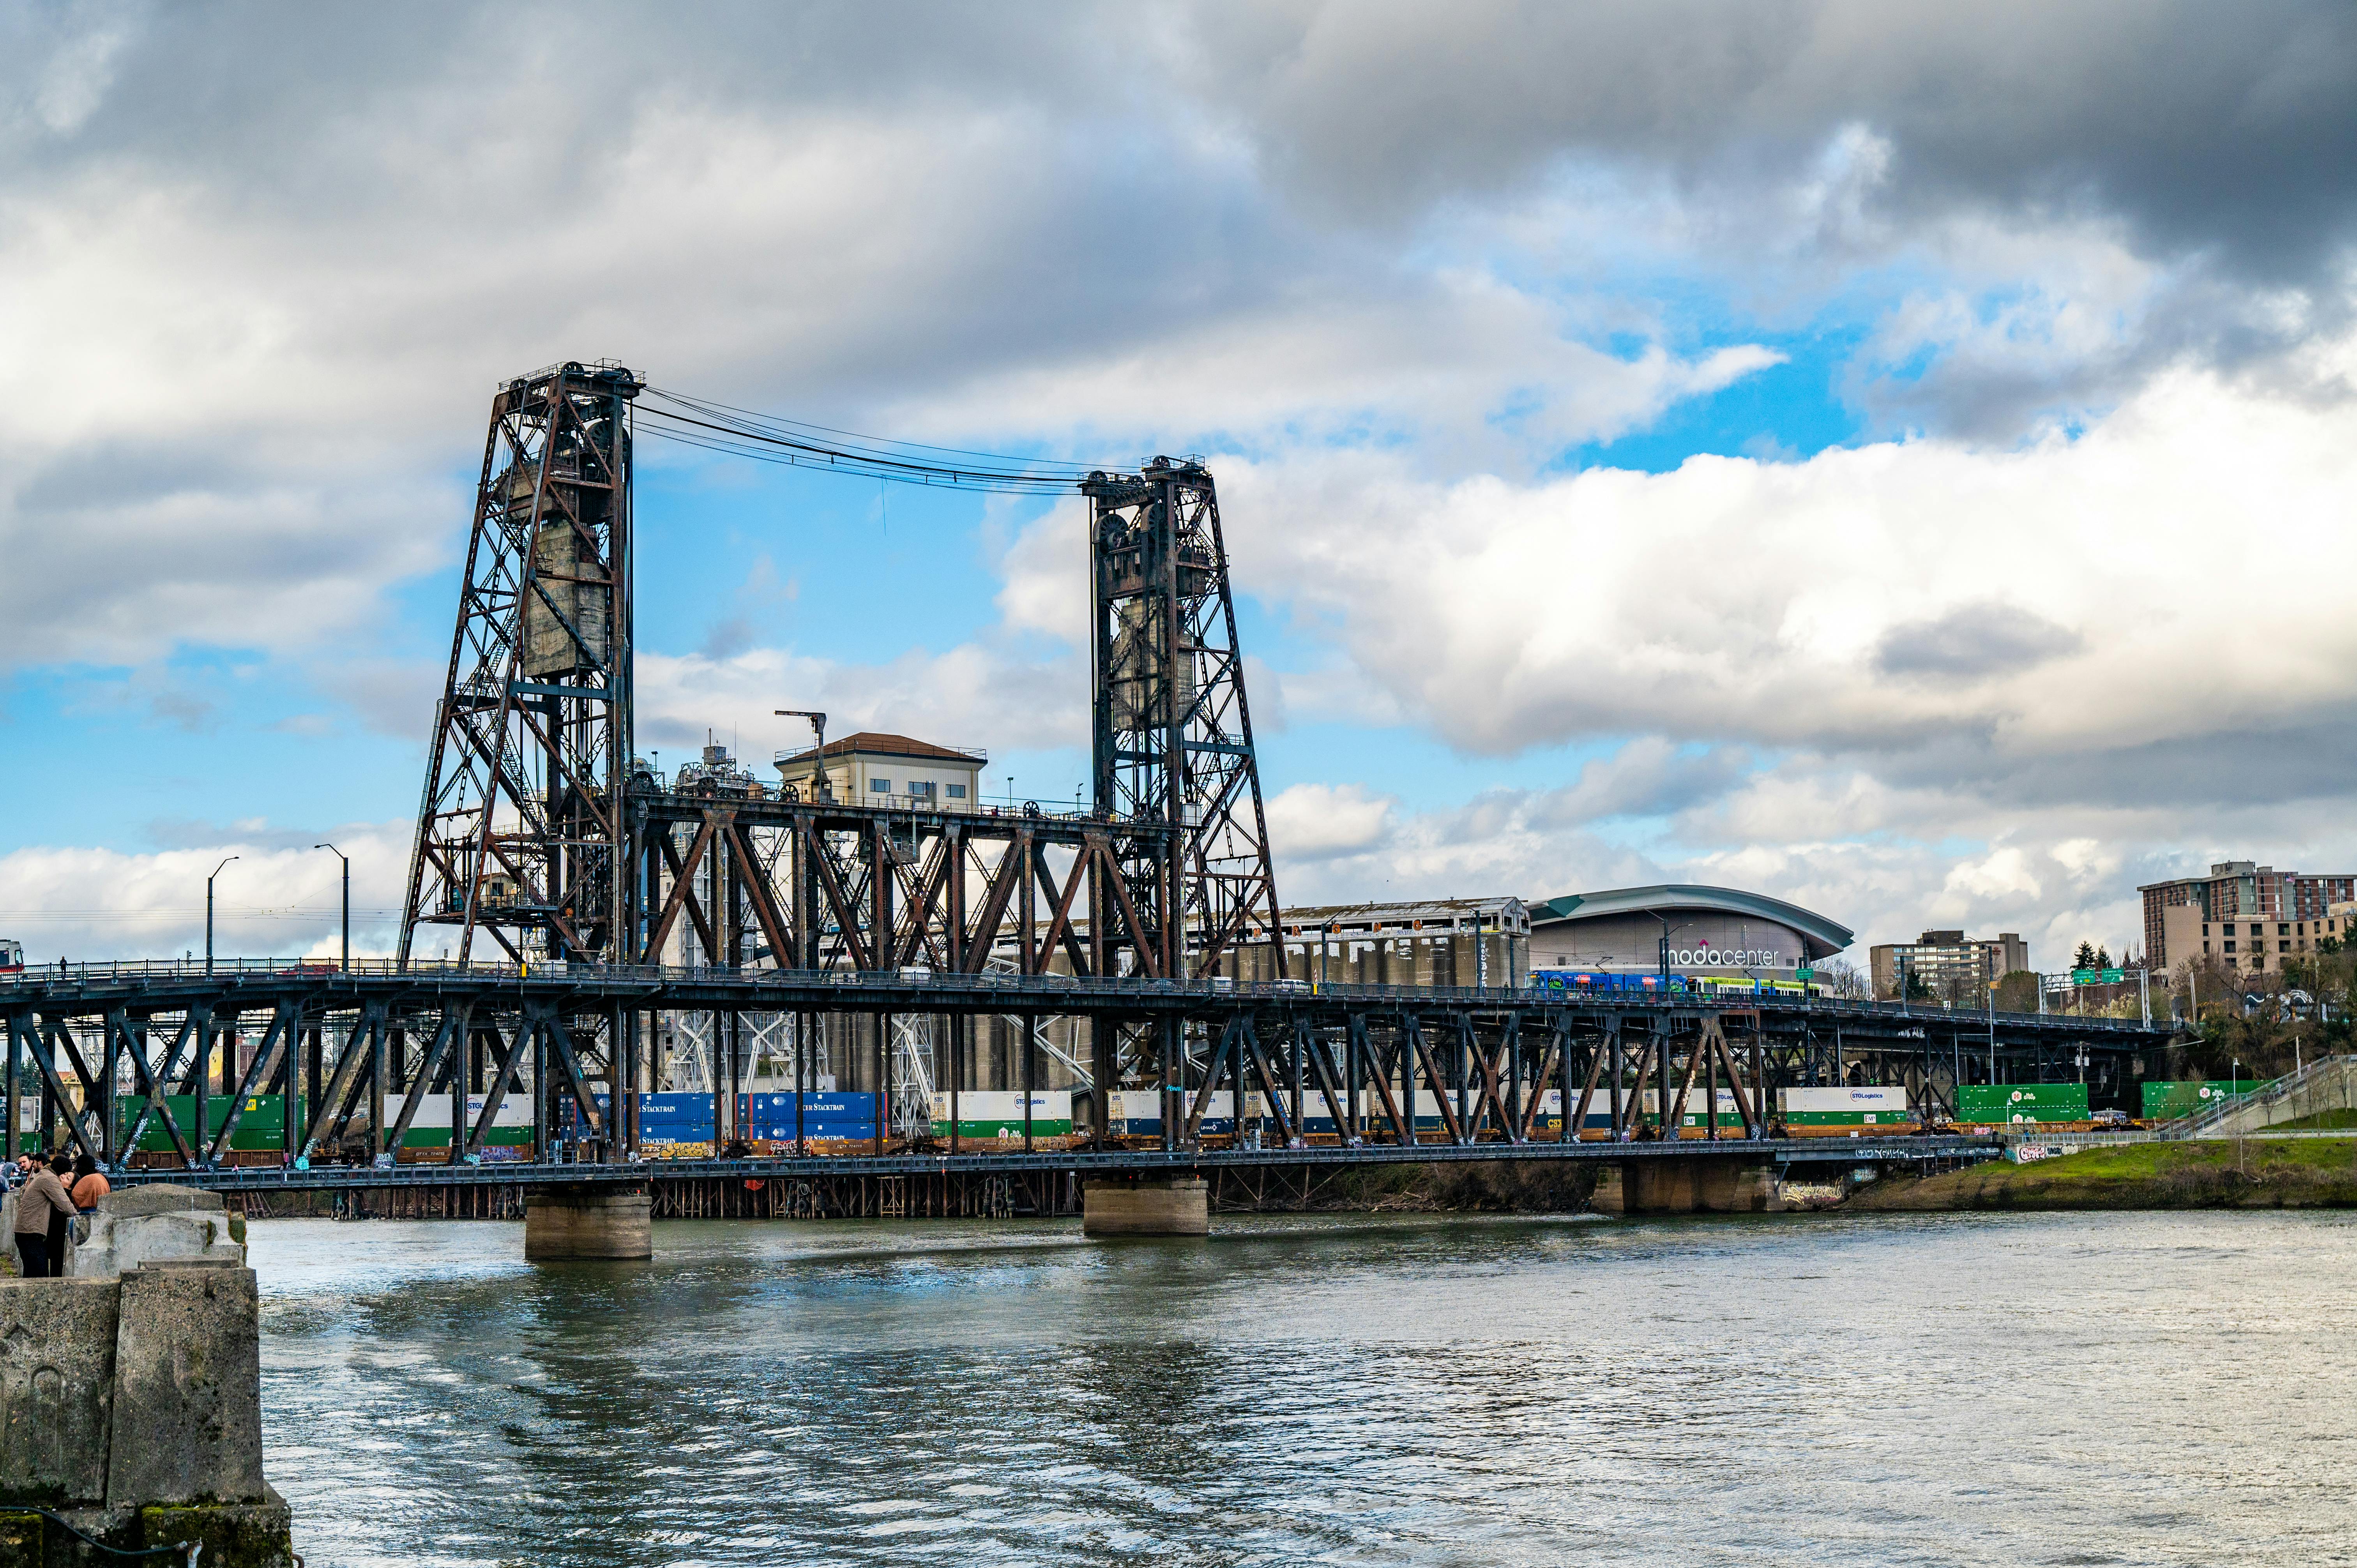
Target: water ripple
1838,1390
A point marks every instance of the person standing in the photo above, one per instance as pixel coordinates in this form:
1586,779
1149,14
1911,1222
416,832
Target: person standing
42,1206
89,1186
60,1224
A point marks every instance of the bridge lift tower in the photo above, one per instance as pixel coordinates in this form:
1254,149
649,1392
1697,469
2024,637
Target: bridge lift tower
521,834
1173,741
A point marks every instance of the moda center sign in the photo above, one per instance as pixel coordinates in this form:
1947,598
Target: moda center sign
1702,955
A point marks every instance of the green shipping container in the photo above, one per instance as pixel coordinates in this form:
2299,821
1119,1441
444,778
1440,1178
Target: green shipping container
1041,1127
262,1126
2166,1101
2004,1102
1848,1119
419,1137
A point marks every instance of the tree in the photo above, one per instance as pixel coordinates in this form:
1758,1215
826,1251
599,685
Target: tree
2018,991
2103,957
2085,958
1841,978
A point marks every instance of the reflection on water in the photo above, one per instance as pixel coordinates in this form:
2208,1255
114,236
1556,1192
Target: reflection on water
2055,1388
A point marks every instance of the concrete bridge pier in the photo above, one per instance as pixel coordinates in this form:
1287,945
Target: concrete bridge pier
1146,1206
1688,1185
584,1219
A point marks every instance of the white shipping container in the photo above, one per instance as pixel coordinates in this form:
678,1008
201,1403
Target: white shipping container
1698,1101
434,1110
1146,1105
1819,1101
1000,1105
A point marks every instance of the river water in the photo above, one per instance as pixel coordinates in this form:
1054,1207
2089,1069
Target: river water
1884,1389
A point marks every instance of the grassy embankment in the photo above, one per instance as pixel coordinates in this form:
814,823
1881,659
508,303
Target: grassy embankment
2256,1173
2323,1120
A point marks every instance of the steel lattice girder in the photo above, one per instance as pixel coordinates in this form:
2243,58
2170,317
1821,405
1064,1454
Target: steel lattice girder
1360,1055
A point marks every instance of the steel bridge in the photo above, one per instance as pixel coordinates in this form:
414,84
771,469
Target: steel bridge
1143,930
353,1053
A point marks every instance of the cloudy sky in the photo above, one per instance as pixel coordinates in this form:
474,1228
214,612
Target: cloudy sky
1897,457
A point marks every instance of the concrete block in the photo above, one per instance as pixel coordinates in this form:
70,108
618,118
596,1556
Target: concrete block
234,1535
1611,1194
57,1389
1149,1207
188,1393
588,1221
153,1225
160,1197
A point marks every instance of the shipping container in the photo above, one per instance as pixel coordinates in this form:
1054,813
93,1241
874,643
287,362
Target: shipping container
262,1126
1844,1109
2001,1104
430,1128
2164,1101
1137,1112
998,1114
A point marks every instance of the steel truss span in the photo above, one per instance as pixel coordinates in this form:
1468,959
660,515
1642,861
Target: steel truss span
1361,1060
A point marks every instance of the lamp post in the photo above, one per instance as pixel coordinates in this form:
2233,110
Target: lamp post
346,966
208,915
1667,931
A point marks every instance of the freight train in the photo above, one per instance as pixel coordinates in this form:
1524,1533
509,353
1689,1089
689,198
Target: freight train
680,1125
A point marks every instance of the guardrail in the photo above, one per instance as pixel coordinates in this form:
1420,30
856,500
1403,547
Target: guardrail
559,973
2202,1121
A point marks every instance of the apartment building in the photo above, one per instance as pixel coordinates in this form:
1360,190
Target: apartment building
2253,917
1951,965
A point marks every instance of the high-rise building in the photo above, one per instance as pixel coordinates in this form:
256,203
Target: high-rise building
1952,966
2251,917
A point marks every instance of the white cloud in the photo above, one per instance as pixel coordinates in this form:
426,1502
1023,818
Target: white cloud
280,898
2067,597
1321,822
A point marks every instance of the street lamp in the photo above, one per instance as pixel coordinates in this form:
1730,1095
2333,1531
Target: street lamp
1667,931
346,967
208,915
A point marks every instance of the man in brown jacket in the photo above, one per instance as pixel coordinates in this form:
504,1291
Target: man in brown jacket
38,1202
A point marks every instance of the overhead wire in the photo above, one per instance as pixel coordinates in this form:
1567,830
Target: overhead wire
717,427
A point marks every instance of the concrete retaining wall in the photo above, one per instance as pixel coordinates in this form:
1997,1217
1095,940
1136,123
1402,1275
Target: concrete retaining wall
133,1406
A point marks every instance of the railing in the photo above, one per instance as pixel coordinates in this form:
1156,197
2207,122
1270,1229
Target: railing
2272,1092
557,972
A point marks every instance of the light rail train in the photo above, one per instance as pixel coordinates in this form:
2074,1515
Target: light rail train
1606,981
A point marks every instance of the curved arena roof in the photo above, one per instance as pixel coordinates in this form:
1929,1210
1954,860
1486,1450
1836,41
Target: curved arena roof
1825,937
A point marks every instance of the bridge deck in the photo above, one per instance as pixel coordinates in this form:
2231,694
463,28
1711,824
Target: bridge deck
1085,1161
159,987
